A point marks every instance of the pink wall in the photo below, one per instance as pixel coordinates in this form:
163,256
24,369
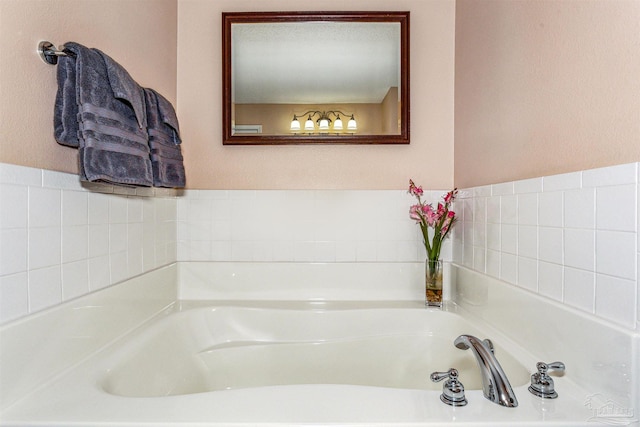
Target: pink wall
146,41
210,165
545,87
541,87
140,34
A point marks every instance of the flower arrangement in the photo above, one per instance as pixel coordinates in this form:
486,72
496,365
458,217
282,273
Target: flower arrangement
440,219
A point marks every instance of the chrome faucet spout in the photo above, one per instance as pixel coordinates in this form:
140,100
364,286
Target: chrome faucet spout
495,385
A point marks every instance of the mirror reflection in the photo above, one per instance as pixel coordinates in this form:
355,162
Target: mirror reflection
316,78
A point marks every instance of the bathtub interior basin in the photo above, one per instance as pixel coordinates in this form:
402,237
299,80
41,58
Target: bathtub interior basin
223,348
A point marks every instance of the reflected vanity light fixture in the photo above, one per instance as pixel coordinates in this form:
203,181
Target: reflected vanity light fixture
323,122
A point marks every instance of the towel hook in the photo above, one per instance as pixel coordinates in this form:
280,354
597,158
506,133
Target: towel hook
49,53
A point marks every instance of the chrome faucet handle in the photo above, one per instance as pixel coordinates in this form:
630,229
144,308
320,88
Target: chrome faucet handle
452,389
541,383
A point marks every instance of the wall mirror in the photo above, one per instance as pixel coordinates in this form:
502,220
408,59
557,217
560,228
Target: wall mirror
315,78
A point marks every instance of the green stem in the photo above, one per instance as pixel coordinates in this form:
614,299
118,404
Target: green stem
425,235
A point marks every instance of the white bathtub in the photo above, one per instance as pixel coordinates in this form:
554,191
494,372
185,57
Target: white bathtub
283,363
215,349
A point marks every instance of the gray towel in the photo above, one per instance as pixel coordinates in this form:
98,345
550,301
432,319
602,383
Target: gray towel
164,141
125,88
101,110
65,122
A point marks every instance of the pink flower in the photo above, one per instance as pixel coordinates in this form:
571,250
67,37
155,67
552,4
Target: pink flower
451,195
430,215
447,223
415,190
414,212
445,227
440,219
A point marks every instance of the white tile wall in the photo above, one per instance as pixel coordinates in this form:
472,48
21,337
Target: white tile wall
61,239
301,225
570,237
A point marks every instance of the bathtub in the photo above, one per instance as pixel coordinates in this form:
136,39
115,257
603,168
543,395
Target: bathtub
291,362
220,348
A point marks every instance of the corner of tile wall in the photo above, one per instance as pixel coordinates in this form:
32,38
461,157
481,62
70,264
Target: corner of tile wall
62,238
570,237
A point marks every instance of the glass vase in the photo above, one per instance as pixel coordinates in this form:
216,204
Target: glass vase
433,283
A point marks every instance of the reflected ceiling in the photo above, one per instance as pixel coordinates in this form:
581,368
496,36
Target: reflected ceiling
367,60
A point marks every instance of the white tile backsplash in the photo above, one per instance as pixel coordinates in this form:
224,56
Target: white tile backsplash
550,244
75,208
134,210
615,299
117,237
509,209
508,238
13,250
14,295
45,287
44,247
508,267
579,289
527,241
528,209
61,239
550,280
14,174
493,236
492,264
579,248
532,185
565,181
303,225
99,274
117,209
45,207
580,208
98,208
493,209
616,254
75,279
99,238
616,208
75,243
480,209
550,209
571,237
499,189
13,209
612,175
528,273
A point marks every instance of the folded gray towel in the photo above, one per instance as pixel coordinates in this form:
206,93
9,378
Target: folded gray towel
164,141
125,88
101,110
65,122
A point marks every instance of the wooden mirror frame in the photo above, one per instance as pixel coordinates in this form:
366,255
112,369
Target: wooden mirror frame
230,18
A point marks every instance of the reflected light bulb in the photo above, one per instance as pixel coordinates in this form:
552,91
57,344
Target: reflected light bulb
352,125
324,124
295,124
308,125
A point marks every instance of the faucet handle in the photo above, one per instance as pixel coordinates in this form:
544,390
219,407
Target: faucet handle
557,366
541,383
452,389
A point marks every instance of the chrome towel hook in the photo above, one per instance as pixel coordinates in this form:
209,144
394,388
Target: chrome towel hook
49,53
